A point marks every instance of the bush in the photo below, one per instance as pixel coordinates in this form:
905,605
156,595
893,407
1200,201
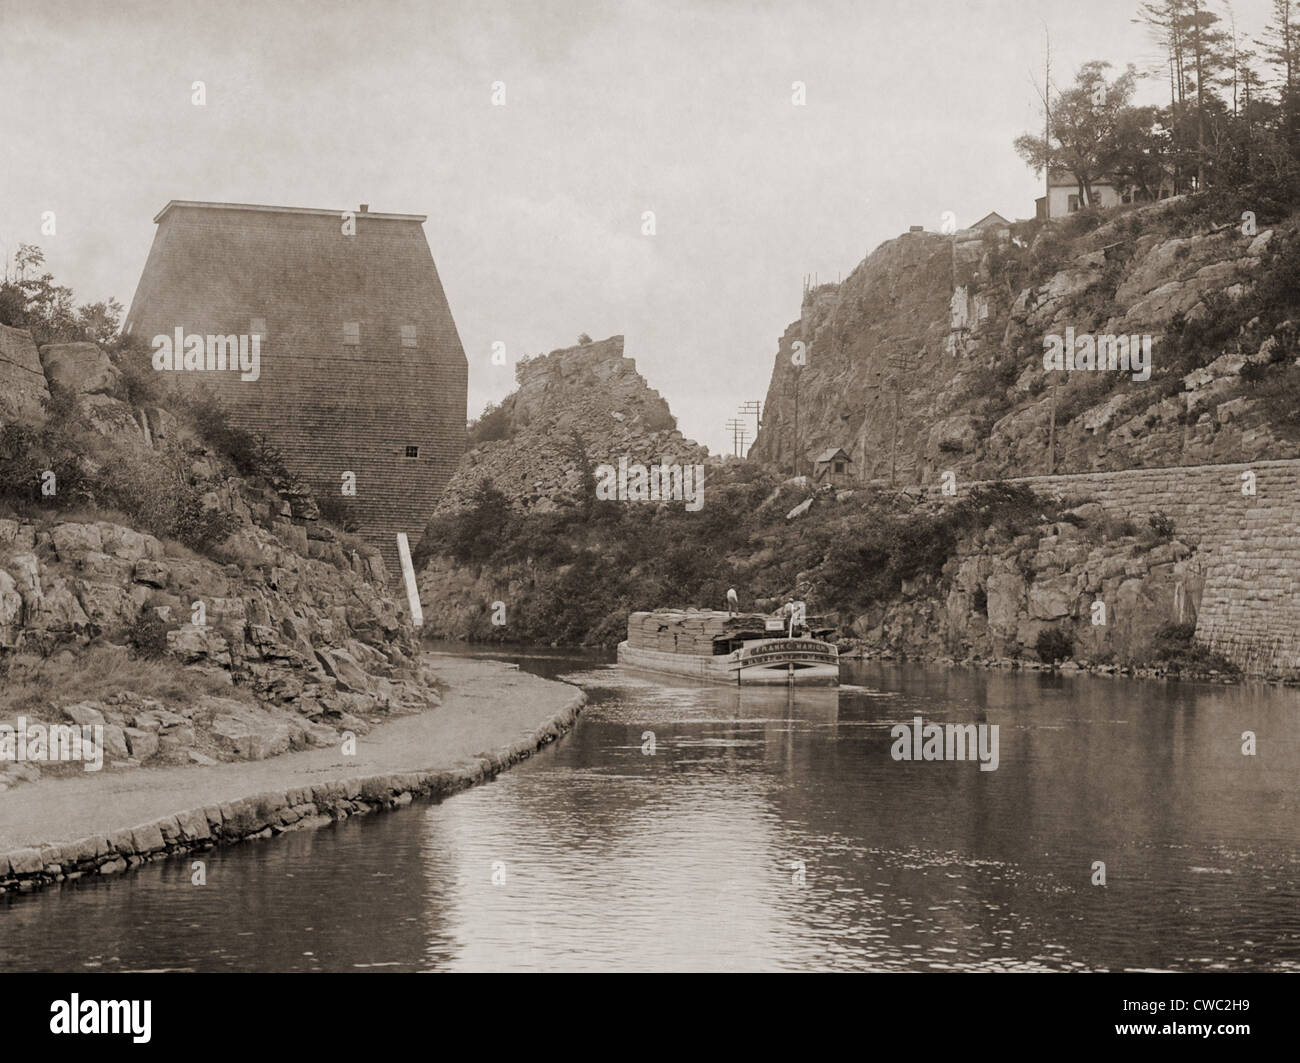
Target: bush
1174,646
492,424
251,455
200,527
335,508
1161,525
148,635
140,383
471,535
1054,645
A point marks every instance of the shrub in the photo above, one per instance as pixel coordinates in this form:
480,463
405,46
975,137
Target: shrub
1174,646
148,635
1116,528
472,534
335,508
1162,526
1054,645
201,527
251,455
140,384
492,424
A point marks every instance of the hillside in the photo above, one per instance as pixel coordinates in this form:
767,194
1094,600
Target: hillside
195,609
952,330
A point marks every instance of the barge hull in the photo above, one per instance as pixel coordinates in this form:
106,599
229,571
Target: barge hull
721,669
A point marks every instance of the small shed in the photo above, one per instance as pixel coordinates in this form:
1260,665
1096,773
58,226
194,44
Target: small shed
992,221
833,466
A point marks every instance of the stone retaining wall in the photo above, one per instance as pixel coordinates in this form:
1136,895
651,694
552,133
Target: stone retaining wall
1248,546
266,814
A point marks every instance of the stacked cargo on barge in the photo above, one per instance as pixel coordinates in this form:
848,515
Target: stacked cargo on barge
740,648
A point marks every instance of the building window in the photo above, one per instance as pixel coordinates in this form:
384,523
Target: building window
351,333
839,466
257,327
412,452
1073,204
408,335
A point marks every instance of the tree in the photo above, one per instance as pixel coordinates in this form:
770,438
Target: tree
49,311
1139,150
1090,122
1281,45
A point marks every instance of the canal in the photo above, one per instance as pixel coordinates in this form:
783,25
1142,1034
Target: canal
687,827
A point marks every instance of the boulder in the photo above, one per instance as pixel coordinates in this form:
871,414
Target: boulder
11,611
143,744
346,669
85,714
23,389
81,368
115,742
1054,597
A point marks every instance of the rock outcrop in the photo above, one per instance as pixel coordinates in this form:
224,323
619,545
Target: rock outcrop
23,388
293,619
580,403
937,342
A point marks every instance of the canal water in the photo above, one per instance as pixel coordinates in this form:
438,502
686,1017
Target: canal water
687,827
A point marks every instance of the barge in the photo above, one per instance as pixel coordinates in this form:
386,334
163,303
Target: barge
737,648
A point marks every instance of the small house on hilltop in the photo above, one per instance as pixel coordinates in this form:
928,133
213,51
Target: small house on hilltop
1063,194
833,466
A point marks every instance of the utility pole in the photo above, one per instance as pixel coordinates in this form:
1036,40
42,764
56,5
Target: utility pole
896,366
798,444
1051,431
1047,125
735,427
754,406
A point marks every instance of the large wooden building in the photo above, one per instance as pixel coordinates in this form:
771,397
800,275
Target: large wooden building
361,368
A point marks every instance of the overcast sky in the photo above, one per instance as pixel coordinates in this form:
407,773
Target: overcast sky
535,208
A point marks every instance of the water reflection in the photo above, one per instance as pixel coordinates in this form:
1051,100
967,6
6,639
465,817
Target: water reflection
770,830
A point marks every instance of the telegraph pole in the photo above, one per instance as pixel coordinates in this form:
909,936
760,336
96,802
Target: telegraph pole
736,428
754,406
897,366
1051,429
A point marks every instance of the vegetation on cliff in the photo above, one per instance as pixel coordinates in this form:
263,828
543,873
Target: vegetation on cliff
572,575
161,575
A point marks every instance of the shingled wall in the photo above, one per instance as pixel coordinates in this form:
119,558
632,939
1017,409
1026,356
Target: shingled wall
1249,546
330,408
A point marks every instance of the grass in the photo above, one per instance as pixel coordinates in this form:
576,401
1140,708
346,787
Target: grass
33,685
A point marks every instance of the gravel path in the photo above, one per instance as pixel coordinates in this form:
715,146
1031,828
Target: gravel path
487,705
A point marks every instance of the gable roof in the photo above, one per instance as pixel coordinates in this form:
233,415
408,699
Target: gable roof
831,455
992,218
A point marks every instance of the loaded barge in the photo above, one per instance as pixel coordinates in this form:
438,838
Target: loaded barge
737,648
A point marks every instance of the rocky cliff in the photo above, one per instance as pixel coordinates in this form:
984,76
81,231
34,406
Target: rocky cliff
583,405
939,341
281,634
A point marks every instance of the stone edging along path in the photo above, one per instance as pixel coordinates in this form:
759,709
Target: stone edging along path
486,698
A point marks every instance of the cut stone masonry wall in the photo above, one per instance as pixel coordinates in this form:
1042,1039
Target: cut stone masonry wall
1248,546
